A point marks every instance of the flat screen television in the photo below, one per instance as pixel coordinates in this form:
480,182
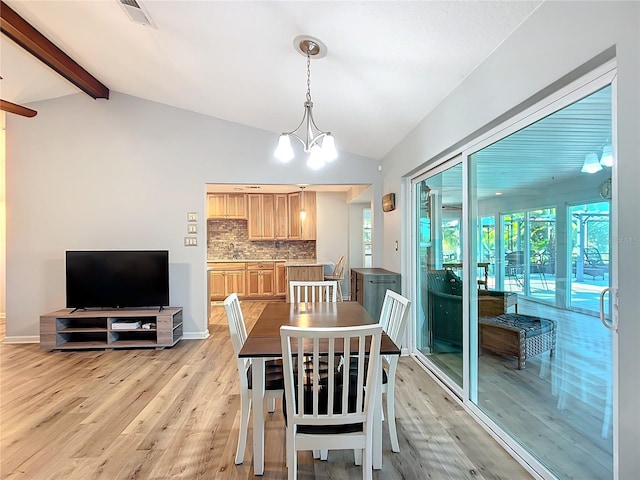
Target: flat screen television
117,278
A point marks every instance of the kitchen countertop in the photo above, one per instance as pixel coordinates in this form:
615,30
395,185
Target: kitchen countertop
288,263
306,263
246,260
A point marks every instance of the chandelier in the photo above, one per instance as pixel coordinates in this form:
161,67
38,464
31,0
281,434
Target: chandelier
307,131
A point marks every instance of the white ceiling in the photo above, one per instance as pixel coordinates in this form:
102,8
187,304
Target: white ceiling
389,63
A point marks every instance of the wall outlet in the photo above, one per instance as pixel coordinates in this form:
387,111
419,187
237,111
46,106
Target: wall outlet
190,241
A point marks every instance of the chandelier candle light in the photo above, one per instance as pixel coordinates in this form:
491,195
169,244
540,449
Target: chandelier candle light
319,154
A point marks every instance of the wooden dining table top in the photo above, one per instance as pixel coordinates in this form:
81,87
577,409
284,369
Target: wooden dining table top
264,338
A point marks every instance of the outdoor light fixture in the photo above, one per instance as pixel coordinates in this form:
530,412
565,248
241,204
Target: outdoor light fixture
606,159
319,154
591,163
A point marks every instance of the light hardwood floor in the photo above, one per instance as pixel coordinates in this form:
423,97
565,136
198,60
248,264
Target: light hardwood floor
173,414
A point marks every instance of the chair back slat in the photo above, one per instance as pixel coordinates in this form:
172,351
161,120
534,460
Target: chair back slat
313,291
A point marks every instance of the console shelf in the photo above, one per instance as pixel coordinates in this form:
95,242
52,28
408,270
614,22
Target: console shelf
108,329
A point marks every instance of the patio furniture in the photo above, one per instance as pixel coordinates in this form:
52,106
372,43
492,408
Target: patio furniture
442,306
514,267
593,265
522,336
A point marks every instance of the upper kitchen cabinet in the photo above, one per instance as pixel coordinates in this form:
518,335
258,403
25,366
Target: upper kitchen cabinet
261,216
281,211
302,228
227,205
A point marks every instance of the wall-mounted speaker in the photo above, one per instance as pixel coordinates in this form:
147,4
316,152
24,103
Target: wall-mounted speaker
389,202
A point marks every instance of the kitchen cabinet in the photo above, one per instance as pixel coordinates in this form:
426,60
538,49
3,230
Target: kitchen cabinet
261,216
227,205
227,278
260,279
281,216
369,285
280,279
302,229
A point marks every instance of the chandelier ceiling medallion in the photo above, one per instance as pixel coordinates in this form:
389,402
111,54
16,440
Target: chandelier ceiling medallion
307,131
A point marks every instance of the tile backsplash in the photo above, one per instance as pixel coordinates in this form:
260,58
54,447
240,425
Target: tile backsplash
230,239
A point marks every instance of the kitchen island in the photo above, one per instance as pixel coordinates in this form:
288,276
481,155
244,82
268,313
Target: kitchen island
304,270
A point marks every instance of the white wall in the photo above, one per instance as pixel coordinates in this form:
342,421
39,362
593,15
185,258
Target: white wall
333,230
122,174
559,42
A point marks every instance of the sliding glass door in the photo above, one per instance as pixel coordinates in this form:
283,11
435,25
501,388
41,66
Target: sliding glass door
512,253
439,241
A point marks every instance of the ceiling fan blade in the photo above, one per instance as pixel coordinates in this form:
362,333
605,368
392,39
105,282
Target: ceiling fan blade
17,109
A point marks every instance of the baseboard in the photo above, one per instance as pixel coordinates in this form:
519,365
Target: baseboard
196,335
18,339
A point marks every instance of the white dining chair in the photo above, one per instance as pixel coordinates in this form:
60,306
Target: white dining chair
393,319
274,380
327,408
322,291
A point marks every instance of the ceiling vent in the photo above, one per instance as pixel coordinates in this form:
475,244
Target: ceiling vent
137,13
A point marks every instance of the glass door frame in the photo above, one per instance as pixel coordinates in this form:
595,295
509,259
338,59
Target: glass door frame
439,167
580,88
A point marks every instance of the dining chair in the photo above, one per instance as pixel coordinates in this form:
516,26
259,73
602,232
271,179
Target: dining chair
338,275
274,379
327,408
322,291
393,319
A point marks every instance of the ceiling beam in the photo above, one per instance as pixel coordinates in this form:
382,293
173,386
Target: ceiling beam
20,31
17,109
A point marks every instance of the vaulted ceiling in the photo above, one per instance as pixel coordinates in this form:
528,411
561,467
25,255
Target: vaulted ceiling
388,63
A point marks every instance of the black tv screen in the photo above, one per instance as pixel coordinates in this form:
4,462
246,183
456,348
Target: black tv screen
117,278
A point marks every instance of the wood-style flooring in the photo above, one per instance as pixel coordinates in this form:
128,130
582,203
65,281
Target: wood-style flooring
173,414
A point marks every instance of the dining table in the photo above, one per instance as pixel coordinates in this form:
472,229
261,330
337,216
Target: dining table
263,343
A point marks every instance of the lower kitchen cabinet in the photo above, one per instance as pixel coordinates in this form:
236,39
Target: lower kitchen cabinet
260,279
369,285
227,278
281,279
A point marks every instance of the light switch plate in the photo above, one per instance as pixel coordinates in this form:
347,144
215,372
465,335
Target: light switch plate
192,216
190,241
192,228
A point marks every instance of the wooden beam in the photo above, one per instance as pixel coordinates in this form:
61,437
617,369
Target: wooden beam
17,109
21,32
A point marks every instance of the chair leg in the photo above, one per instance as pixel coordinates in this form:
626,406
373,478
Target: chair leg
271,404
321,454
245,410
339,292
357,456
292,456
391,413
367,463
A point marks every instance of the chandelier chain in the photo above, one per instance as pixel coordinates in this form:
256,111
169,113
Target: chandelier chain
308,77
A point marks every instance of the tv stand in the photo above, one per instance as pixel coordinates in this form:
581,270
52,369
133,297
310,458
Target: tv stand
107,329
